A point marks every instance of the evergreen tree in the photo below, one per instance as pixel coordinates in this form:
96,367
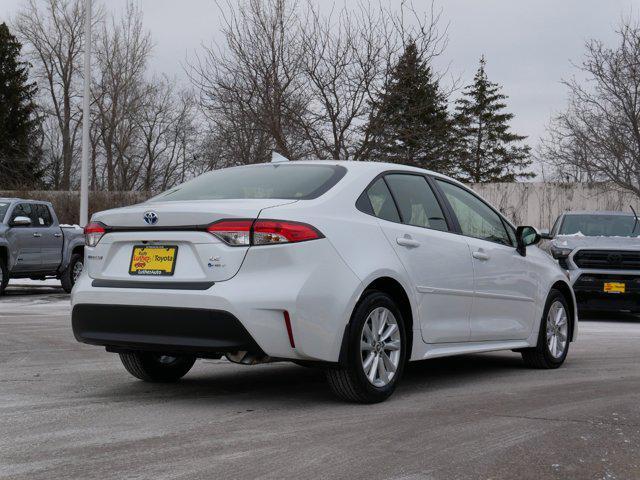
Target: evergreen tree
486,149
19,122
409,123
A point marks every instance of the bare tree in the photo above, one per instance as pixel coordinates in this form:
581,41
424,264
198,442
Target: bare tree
167,132
54,36
122,53
299,81
598,137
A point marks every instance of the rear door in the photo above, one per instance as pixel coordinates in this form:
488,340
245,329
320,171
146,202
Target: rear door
25,241
51,240
437,261
505,284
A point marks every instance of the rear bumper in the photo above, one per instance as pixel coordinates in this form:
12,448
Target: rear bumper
308,280
191,331
590,295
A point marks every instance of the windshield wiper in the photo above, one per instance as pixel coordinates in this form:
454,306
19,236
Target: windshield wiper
635,216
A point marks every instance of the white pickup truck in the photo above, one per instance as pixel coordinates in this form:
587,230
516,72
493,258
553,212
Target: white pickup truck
34,245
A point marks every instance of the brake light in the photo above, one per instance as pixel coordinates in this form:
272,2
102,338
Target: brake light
236,233
93,232
262,232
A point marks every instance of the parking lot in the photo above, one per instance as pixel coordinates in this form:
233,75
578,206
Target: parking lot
70,410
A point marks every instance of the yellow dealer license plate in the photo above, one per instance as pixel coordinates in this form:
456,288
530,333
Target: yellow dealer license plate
614,287
159,260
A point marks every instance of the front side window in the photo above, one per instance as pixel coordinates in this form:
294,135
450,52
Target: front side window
269,181
22,210
475,217
3,210
417,202
382,203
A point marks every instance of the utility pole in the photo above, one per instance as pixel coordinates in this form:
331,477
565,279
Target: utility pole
86,120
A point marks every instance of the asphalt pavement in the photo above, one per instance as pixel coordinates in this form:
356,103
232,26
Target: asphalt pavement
69,410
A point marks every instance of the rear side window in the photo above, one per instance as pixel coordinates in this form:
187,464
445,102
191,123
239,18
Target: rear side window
417,202
42,216
281,181
382,202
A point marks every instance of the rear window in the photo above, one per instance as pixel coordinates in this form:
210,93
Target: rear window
3,210
283,181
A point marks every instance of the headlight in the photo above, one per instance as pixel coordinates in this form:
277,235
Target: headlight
560,252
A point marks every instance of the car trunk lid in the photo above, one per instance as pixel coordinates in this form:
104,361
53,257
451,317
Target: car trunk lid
175,234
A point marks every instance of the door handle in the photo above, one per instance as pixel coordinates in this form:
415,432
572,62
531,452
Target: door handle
407,242
37,235
480,255
57,235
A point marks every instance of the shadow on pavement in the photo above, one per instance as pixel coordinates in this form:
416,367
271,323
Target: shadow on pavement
609,317
283,382
24,290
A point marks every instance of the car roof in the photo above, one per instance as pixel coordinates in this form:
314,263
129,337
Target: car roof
599,212
371,166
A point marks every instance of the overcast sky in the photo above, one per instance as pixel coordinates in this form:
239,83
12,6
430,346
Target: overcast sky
528,44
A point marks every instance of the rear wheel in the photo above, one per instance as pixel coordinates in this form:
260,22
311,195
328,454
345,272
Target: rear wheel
153,367
376,352
553,339
72,273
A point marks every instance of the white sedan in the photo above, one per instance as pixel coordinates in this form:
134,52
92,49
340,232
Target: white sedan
354,267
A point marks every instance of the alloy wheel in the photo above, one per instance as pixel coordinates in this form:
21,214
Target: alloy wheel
380,347
557,329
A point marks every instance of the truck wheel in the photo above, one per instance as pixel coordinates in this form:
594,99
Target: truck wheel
154,367
376,352
4,275
72,272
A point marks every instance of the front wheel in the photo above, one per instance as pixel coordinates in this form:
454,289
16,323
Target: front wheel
153,367
376,352
72,273
4,275
553,339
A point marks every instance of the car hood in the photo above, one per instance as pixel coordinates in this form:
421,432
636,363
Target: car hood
609,243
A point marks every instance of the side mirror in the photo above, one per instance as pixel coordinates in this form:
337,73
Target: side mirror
545,235
21,222
526,236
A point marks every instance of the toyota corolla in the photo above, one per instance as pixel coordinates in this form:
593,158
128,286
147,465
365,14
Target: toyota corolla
353,267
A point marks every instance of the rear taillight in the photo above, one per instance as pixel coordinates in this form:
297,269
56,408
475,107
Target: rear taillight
236,233
262,232
93,232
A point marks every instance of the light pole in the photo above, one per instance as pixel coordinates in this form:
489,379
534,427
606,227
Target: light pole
86,120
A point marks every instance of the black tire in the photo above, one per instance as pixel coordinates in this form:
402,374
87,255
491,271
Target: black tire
154,367
66,278
540,356
4,275
349,382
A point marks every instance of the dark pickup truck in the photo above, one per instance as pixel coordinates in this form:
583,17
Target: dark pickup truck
34,245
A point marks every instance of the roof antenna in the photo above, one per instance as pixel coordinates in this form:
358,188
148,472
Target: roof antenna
277,158
635,216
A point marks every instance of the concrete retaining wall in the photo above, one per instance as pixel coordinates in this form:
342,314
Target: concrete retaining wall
536,204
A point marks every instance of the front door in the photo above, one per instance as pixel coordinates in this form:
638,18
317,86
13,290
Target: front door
503,306
25,241
438,262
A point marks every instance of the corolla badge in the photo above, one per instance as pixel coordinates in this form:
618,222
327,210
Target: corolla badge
151,218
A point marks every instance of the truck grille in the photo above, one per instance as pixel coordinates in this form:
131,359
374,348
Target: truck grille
608,259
